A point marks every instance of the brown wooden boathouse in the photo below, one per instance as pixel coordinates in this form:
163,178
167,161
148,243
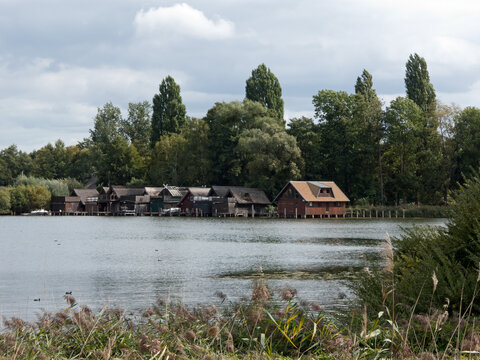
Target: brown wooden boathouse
311,199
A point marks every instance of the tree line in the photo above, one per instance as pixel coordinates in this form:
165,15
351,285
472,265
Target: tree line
415,149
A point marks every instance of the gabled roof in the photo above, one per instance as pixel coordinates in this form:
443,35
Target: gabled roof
153,190
221,191
173,191
311,191
126,191
85,193
196,191
244,195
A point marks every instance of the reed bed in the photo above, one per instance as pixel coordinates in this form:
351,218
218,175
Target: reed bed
261,327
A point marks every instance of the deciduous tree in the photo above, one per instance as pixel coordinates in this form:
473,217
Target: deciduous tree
137,126
466,140
269,156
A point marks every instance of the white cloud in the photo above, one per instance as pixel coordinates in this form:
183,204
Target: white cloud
464,98
163,23
43,101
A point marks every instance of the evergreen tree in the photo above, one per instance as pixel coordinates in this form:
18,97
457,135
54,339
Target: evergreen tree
168,110
264,87
418,85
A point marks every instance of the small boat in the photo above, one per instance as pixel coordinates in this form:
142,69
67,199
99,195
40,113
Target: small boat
40,212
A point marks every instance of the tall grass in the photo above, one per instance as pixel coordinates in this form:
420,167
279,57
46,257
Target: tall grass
255,328
263,327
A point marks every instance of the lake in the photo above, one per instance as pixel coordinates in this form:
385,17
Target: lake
130,262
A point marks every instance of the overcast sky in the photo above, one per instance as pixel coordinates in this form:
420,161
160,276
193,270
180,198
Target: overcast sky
60,60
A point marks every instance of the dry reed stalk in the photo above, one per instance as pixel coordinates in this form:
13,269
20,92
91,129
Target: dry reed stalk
411,315
435,281
388,255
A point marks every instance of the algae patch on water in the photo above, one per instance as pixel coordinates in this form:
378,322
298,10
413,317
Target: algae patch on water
323,273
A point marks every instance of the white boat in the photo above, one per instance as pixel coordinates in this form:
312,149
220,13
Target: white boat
39,212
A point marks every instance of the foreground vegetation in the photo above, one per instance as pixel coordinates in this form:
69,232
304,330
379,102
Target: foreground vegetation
422,303
259,328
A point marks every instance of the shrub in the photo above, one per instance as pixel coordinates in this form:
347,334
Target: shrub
5,203
56,187
25,198
452,254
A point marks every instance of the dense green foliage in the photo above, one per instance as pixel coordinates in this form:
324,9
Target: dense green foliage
413,151
450,255
5,203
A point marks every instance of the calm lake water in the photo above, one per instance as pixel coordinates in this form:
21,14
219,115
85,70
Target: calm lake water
129,262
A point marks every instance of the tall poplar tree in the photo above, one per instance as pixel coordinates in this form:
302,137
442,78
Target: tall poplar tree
369,119
168,110
418,85
264,87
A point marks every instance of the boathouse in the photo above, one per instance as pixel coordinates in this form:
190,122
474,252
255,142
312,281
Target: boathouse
88,200
238,201
80,201
311,199
121,200
196,201
167,198
65,204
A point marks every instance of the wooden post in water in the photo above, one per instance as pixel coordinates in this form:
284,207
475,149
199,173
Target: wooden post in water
370,211
376,213
296,213
396,214
253,211
357,214
363,213
403,213
390,214
383,214
285,212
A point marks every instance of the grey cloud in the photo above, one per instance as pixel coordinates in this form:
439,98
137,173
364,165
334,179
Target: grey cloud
61,60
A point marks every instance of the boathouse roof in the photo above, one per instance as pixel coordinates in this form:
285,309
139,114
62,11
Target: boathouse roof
84,194
324,191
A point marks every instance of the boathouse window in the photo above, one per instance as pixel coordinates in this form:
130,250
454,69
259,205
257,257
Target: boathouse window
290,194
311,204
